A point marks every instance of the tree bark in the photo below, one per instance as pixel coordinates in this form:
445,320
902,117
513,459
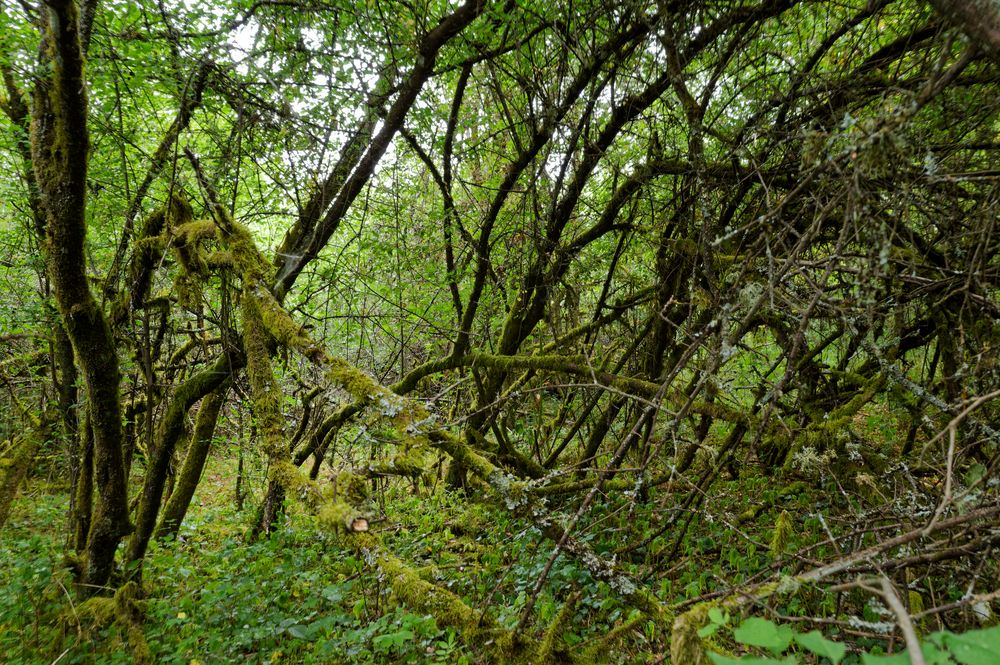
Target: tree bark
979,19
60,146
168,433
194,462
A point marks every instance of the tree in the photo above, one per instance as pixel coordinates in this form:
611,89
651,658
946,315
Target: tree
643,245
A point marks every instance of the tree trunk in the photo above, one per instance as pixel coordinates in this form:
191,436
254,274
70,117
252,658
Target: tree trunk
169,432
59,143
194,462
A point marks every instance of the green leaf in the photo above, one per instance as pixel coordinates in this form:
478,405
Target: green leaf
708,630
333,593
974,474
385,642
932,656
894,659
976,647
752,660
819,645
718,616
759,632
298,631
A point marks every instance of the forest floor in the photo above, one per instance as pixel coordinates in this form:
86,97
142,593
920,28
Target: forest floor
304,596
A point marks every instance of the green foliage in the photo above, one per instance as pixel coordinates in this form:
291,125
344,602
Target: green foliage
32,596
750,243
974,647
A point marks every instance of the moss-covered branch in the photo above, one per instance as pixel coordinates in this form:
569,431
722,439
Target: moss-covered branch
169,432
518,498
194,462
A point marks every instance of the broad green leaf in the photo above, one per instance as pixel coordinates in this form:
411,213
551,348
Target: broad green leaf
716,615
894,659
752,660
932,656
976,647
819,645
298,631
333,593
708,630
759,632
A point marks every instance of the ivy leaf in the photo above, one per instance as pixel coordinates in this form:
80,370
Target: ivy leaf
819,645
757,632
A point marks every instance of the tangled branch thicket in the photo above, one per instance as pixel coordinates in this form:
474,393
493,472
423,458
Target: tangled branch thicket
639,274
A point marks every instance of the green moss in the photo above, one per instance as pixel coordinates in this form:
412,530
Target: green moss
130,614
409,463
290,477
598,650
782,533
686,646
264,387
284,329
448,609
124,610
193,232
93,614
353,489
342,517
14,470
551,643
821,434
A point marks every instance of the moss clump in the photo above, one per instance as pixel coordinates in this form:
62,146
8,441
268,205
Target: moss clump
352,488
14,469
341,517
409,463
686,646
130,613
125,610
289,476
782,534
280,325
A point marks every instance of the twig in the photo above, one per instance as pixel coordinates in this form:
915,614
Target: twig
905,624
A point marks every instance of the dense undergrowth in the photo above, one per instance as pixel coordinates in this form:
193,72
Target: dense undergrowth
306,596
520,331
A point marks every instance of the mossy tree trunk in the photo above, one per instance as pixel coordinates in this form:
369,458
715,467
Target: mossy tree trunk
64,373
83,487
194,462
59,142
169,432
